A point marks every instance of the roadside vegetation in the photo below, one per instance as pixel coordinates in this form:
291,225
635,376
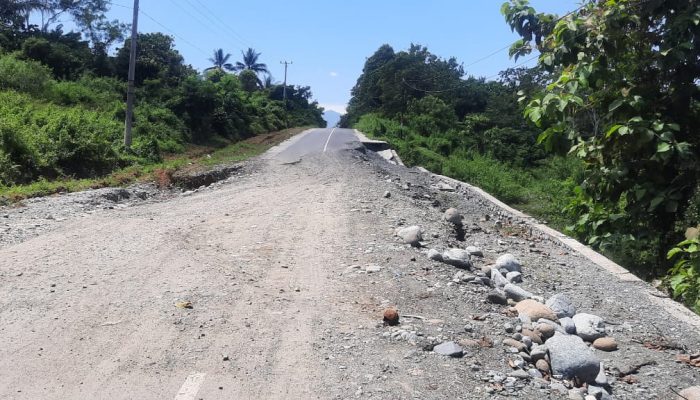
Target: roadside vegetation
598,138
195,158
62,98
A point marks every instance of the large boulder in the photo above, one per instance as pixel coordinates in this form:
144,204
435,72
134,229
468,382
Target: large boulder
411,235
570,357
457,257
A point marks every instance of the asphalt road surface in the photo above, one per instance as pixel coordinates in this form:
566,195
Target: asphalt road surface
316,141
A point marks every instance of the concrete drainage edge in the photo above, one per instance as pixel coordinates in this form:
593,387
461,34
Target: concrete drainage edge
671,306
389,154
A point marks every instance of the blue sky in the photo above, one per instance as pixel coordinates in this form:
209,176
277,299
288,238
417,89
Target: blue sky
328,41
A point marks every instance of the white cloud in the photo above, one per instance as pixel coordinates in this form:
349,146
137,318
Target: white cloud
333,74
339,108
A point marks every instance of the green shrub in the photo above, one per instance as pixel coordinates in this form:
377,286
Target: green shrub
50,140
24,76
90,92
160,125
684,277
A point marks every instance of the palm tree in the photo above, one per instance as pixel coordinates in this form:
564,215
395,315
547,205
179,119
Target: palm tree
250,61
268,82
220,61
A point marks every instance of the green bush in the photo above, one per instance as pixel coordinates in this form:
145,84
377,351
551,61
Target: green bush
90,92
684,277
50,140
24,76
158,124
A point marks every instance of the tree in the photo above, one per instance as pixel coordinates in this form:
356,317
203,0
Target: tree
249,80
391,81
155,59
269,82
90,17
66,54
220,61
250,62
624,99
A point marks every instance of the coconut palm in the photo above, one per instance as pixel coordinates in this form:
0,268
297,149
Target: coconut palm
268,82
220,61
250,61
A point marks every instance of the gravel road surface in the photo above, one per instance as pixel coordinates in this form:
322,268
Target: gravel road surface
273,284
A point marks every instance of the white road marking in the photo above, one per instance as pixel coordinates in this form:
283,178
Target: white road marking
189,389
327,141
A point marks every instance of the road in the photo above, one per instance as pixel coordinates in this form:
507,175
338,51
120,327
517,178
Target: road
259,288
317,141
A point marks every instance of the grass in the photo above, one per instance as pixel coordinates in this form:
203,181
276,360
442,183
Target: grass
541,191
195,158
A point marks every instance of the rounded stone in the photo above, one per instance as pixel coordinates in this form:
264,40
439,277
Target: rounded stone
542,365
545,330
589,327
534,336
571,358
517,293
535,310
605,344
411,235
514,343
453,216
457,258
391,316
497,297
561,305
434,255
508,262
691,393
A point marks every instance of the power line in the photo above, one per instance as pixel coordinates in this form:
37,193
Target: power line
145,14
174,34
212,28
456,87
224,24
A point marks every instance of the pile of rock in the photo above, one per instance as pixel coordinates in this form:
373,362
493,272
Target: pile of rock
549,340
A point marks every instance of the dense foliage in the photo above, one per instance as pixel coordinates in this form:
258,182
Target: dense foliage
467,128
62,96
432,104
625,100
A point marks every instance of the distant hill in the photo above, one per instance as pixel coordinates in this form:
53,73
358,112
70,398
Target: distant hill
331,117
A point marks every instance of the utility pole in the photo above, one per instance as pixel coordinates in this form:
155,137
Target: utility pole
286,63
284,93
132,72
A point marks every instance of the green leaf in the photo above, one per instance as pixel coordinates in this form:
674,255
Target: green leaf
655,202
548,60
616,104
613,129
663,147
673,252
